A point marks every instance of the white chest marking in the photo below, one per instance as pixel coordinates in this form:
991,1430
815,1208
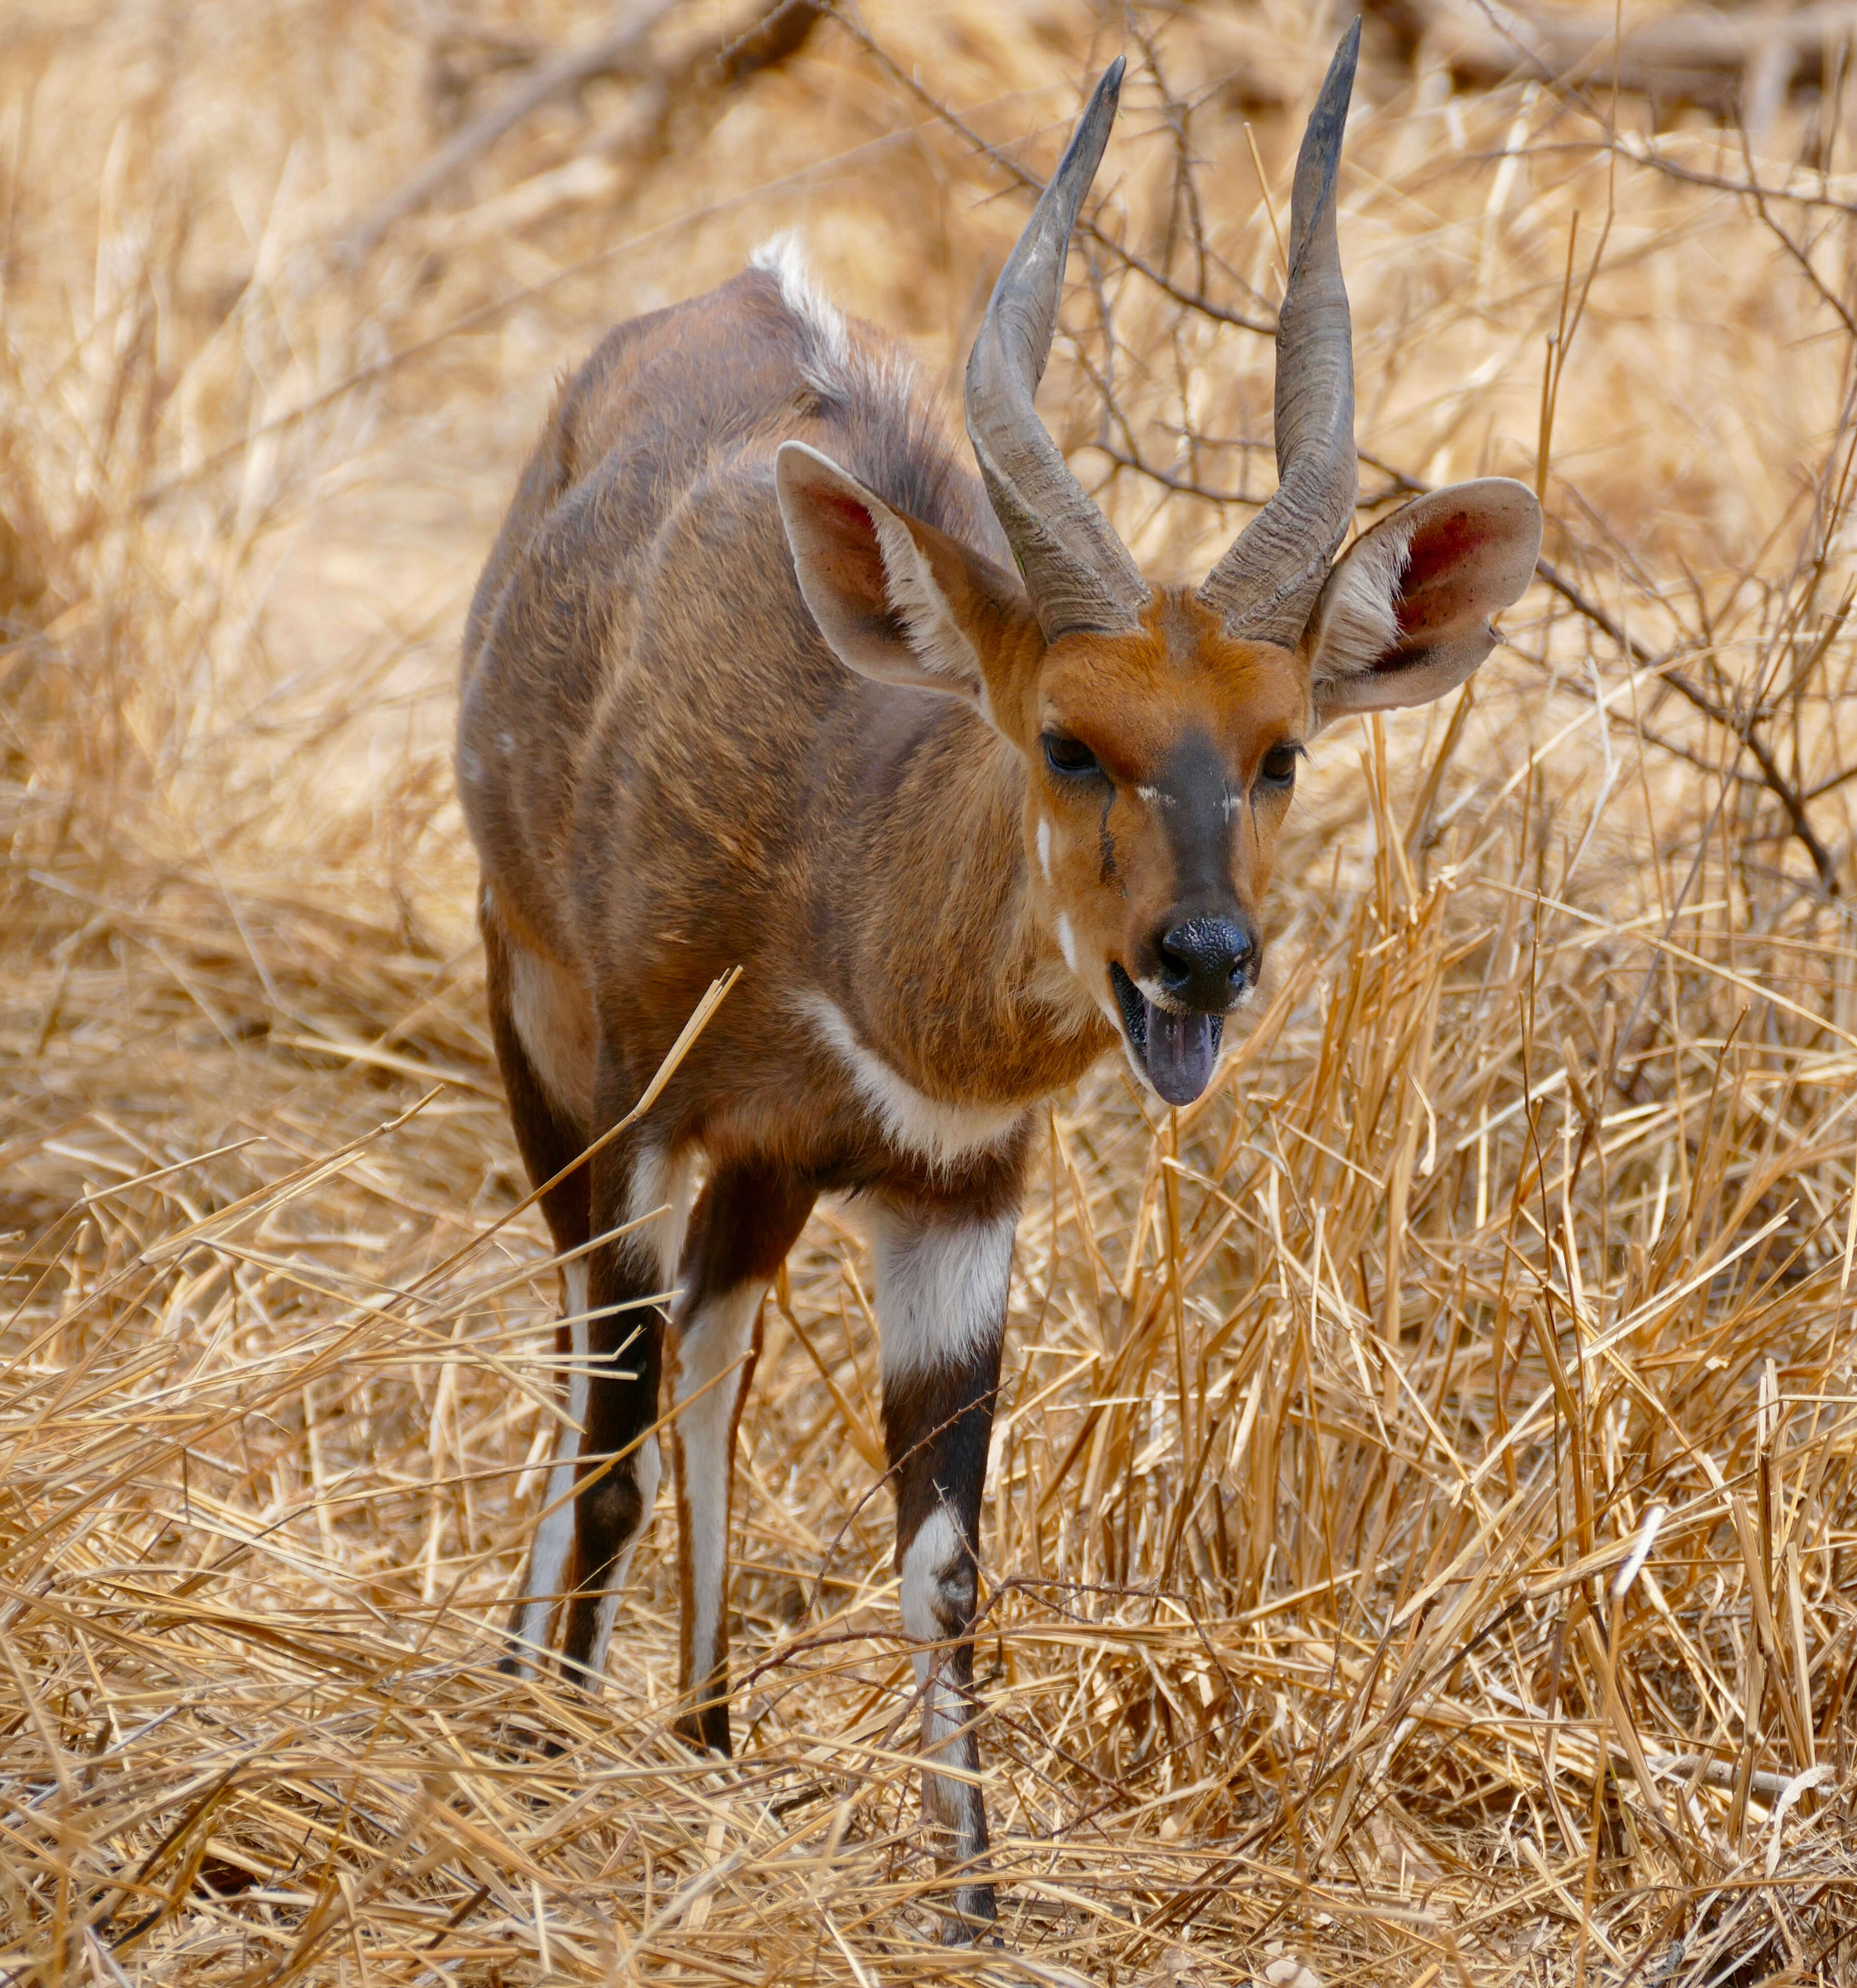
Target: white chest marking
939,1133
669,1184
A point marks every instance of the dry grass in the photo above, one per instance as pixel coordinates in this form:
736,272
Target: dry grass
1332,1405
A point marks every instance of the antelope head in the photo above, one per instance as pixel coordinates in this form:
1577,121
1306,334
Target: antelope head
1161,727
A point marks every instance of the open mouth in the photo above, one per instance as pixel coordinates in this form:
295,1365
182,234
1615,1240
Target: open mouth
1177,1051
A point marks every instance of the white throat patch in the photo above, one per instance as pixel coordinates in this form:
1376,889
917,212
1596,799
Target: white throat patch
940,1133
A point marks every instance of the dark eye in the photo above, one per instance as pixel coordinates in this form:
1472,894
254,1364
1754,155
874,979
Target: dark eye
1069,758
1278,767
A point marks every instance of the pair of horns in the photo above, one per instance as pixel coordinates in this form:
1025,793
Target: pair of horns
1077,571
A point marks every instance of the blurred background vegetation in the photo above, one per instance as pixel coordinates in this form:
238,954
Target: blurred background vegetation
1522,1229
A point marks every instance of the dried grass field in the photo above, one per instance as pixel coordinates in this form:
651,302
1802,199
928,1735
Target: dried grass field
1422,1533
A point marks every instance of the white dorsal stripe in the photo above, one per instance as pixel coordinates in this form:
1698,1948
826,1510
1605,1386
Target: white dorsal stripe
783,256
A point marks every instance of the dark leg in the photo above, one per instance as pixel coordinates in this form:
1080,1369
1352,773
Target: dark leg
618,1467
940,1301
547,1138
748,1217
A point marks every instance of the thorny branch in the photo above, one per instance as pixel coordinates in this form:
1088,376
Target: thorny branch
1715,56
1640,153
1772,776
1086,226
623,51
1757,194
620,50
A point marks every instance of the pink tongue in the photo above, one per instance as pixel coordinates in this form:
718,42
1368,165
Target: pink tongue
1180,1052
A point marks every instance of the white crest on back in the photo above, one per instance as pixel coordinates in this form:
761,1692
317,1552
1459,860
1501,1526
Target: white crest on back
783,256
834,363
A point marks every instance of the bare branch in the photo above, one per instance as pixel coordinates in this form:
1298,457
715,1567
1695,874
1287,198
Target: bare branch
619,51
1640,152
1757,194
1187,299
1772,777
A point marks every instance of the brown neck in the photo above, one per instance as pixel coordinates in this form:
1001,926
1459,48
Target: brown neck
951,979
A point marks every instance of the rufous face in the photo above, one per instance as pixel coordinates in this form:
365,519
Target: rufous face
1160,764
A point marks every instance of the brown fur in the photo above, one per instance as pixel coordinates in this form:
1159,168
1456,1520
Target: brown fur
668,773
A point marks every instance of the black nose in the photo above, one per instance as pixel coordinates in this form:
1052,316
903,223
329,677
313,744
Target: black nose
1205,961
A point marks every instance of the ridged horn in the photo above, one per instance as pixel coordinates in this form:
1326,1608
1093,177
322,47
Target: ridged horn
1077,571
1266,585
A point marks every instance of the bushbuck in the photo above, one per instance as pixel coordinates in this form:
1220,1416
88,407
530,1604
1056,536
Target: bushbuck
759,674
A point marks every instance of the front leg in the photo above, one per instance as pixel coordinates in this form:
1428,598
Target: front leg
940,1300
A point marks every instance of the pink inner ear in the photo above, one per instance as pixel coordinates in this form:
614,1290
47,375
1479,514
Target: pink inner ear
848,510
854,560
1443,552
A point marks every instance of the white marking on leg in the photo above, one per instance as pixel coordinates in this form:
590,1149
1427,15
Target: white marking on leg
554,1536
932,1130
936,1596
553,1020
658,1182
645,1463
711,1340
666,1181
934,1551
941,1288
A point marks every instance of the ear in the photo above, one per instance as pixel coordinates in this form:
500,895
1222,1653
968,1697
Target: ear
1405,616
896,599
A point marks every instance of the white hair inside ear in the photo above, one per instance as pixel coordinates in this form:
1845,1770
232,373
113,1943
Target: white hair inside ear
867,582
896,599
1354,623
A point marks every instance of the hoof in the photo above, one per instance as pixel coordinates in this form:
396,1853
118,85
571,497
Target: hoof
705,1730
582,1679
973,1918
